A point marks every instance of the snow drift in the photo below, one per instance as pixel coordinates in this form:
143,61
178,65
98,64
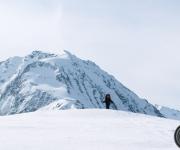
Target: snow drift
88,129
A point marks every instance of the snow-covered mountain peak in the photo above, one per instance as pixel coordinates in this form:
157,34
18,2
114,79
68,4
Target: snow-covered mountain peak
65,81
37,55
69,54
71,57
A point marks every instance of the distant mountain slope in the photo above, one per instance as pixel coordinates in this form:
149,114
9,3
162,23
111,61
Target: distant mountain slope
39,79
169,112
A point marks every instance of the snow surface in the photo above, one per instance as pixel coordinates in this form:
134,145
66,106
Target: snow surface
89,129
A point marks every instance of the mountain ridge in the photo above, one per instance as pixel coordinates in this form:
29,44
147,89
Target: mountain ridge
39,79
169,112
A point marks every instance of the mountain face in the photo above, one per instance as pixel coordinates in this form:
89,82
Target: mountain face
169,112
48,81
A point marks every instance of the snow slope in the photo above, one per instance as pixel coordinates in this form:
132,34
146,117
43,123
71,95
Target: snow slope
88,129
41,79
169,112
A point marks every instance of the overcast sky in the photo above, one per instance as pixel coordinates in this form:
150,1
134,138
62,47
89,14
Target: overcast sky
137,41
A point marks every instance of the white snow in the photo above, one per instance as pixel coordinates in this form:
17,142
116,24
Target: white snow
90,129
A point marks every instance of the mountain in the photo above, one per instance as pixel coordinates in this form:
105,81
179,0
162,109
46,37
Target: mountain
169,112
48,81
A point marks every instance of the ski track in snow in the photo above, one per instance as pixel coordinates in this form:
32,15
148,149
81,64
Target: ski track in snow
90,129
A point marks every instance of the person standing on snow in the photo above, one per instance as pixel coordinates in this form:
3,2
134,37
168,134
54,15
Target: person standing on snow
108,100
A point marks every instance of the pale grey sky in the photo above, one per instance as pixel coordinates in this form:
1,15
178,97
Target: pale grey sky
137,41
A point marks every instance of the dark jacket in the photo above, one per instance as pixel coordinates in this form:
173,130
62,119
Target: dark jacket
108,101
